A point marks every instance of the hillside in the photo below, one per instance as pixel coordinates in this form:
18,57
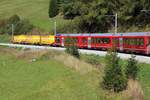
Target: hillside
34,10
49,77
22,79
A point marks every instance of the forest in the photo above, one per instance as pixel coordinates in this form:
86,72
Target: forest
97,15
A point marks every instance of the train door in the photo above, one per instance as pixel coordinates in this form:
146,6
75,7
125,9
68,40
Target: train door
93,42
84,42
148,46
121,42
62,42
89,42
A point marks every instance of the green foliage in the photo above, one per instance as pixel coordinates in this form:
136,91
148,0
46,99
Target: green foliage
5,38
23,26
3,27
132,68
70,27
72,49
54,81
53,8
114,78
14,19
94,60
90,14
20,26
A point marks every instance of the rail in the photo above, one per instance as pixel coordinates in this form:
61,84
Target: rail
139,58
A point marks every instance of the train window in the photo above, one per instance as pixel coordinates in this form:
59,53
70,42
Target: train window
134,41
67,40
141,42
148,41
125,41
106,40
57,40
93,40
84,40
116,41
75,40
98,40
138,42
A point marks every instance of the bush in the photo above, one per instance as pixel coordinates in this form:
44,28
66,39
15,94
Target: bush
53,8
14,19
114,78
20,26
3,28
23,26
69,27
93,59
132,68
73,50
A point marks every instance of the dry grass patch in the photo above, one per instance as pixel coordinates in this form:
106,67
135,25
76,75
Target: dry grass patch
74,63
10,51
30,54
134,90
68,60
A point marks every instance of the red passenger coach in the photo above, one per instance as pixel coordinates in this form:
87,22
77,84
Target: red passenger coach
138,42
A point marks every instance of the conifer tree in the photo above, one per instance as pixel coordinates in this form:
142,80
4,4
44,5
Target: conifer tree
114,78
53,9
132,68
71,48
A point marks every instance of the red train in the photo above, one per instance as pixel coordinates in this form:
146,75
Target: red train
138,42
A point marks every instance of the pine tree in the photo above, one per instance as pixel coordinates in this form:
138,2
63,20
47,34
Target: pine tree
53,9
132,68
71,48
114,78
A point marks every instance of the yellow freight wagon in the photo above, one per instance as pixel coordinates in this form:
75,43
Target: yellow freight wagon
19,39
33,39
47,40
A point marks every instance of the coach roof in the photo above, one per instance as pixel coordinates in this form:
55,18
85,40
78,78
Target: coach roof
107,34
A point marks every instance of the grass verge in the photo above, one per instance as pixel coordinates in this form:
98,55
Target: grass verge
55,76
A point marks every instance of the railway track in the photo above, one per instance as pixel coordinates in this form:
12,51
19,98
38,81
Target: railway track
140,58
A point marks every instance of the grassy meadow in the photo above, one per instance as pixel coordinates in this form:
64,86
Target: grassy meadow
45,75
34,10
5,38
22,79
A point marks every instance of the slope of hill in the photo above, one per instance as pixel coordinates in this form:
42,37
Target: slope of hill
49,77
34,10
24,79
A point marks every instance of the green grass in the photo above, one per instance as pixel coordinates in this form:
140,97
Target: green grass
34,10
47,79
144,78
143,75
41,80
5,38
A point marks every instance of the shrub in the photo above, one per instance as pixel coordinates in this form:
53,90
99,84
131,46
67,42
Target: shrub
14,19
72,48
69,27
3,28
134,90
53,9
93,59
20,26
132,68
23,26
114,78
